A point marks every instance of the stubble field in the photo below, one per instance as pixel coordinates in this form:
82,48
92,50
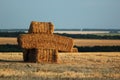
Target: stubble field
77,42
71,66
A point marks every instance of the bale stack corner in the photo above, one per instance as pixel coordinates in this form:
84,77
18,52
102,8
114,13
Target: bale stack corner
75,50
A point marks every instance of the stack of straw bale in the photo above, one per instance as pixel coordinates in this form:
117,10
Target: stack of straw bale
41,45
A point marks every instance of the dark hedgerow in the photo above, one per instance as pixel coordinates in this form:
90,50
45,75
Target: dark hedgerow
99,49
90,36
10,48
16,48
11,34
78,36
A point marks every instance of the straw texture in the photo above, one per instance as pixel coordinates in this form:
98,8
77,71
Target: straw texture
46,41
74,50
47,55
41,27
40,55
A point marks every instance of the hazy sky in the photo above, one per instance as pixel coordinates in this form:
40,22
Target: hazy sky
63,13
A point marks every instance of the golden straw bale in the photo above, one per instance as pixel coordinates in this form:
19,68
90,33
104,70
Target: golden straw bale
46,41
47,55
40,55
29,55
74,50
41,27
32,55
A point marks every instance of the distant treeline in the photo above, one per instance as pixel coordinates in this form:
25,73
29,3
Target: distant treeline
82,29
90,36
10,48
99,49
16,48
101,29
11,34
13,30
78,36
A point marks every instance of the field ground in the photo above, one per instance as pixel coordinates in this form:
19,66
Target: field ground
7,40
96,42
71,66
77,42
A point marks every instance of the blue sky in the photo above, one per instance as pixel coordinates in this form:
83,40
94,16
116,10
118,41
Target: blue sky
63,13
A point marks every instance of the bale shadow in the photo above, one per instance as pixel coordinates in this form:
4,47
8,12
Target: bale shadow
13,61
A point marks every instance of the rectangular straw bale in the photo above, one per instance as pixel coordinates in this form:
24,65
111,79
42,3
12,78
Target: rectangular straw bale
47,55
32,55
46,41
40,55
41,27
74,50
29,55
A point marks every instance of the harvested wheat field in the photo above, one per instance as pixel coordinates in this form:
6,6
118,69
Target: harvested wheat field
77,42
6,40
96,42
77,66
